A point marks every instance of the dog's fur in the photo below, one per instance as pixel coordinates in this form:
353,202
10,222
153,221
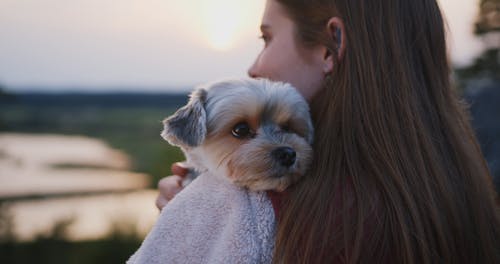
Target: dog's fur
277,116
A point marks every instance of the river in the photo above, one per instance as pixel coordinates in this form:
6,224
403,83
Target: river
81,182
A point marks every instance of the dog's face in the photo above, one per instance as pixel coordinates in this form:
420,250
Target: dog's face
256,132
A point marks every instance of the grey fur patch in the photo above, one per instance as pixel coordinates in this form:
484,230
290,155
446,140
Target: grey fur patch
187,126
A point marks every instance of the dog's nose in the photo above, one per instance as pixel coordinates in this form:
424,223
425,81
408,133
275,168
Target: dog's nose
285,156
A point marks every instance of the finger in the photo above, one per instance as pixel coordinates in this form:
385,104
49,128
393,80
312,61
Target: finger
170,186
160,202
179,170
173,180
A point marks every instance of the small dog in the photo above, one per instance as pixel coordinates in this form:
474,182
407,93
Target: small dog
255,132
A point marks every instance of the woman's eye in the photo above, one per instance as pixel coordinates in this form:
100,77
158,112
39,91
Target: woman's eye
241,130
265,38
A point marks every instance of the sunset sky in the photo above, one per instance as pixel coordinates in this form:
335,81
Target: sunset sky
150,45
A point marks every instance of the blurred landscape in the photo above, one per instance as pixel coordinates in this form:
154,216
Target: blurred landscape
78,173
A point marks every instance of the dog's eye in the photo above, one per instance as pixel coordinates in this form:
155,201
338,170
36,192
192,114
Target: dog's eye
241,130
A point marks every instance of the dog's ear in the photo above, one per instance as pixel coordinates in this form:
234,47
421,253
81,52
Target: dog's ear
187,126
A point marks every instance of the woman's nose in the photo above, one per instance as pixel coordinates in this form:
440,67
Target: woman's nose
252,71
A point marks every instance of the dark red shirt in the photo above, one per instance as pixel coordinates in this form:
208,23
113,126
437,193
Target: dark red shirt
277,200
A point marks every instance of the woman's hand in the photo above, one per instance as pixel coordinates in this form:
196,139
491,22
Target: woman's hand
171,185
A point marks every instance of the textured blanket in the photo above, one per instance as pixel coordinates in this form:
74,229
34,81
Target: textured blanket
211,221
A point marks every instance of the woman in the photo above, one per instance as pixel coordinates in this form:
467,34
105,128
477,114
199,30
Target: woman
398,175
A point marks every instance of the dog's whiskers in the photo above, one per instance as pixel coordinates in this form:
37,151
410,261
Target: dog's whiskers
225,157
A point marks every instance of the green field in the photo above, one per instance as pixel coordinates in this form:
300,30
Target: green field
132,129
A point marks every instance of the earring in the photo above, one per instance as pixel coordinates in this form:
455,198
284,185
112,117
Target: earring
328,80
338,34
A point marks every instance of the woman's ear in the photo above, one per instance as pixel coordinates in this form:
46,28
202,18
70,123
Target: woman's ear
336,31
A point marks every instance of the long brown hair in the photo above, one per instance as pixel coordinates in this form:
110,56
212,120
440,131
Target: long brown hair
398,175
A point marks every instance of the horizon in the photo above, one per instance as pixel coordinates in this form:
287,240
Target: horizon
43,90
79,89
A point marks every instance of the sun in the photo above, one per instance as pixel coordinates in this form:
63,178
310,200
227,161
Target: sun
224,21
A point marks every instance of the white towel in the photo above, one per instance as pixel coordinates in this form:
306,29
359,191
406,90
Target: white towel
211,221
